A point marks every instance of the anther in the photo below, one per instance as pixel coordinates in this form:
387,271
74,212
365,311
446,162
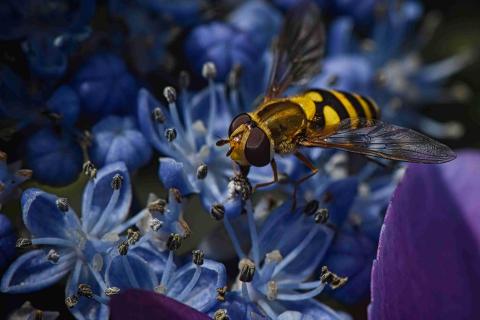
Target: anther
117,182
85,290
23,243
158,115
157,206
123,247
155,224
272,290
209,71
273,256
202,171
221,292
217,211
198,257
89,170
184,79
160,289
53,256
170,94
62,204
221,314
332,80
311,207
241,186
321,216
71,301
132,236
247,270
170,134
174,241
332,279
37,314
111,291
176,194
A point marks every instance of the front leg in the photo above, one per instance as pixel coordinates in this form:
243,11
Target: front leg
273,164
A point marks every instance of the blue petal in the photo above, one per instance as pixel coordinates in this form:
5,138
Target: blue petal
340,36
97,194
314,309
130,271
117,139
238,308
105,86
342,194
157,259
284,231
7,240
33,271
294,315
43,218
46,59
65,102
203,295
85,309
146,104
54,159
173,175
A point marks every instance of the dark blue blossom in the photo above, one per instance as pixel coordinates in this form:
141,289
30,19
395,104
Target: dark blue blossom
11,176
65,103
118,139
70,245
50,28
7,240
28,312
259,19
222,44
105,86
55,157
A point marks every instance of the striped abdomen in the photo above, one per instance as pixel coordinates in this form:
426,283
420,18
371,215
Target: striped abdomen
333,106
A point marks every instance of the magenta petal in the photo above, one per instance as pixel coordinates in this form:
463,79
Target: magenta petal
428,258
140,304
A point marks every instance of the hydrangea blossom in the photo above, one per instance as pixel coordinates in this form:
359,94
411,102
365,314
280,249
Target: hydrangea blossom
70,245
7,240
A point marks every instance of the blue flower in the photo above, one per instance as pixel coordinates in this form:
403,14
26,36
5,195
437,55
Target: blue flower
11,176
118,139
284,254
65,102
222,44
259,19
7,240
191,161
55,157
194,284
70,245
105,86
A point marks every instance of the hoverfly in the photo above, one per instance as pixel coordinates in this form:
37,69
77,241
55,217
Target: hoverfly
317,117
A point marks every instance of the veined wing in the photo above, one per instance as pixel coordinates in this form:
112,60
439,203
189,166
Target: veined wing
384,140
298,49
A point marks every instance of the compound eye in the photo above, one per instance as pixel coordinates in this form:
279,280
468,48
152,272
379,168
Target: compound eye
257,148
237,122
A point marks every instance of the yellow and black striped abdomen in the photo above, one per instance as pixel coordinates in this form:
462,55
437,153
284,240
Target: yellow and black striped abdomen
333,106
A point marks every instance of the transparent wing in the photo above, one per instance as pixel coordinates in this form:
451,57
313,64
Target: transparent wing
384,140
298,50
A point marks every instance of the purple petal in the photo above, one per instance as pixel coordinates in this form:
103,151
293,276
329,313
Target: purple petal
140,304
427,261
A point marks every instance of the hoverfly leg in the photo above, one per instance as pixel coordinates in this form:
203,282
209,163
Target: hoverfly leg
273,164
297,183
